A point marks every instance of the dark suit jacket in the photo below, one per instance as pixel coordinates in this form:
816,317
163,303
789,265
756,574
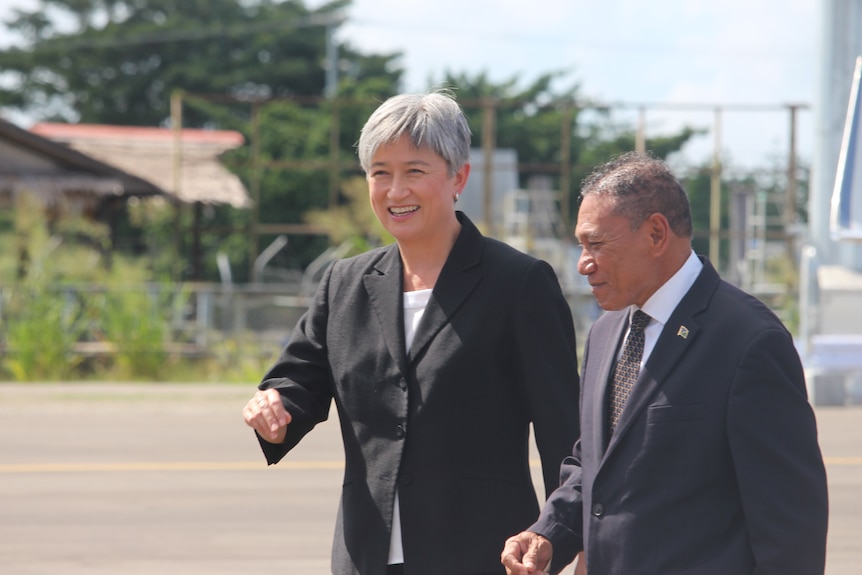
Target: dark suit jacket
449,423
714,467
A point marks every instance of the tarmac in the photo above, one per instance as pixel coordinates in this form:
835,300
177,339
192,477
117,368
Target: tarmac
114,478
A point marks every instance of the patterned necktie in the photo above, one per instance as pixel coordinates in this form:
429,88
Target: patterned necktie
626,370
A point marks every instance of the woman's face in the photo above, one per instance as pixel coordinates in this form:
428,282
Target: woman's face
412,194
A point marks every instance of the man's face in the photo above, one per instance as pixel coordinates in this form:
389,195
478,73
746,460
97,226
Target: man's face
616,260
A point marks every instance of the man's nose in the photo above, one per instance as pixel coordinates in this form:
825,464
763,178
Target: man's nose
586,264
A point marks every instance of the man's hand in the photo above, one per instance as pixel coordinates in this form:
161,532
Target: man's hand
266,414
526,553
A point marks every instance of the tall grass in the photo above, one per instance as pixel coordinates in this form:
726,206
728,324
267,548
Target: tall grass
42,328
134,322
66,312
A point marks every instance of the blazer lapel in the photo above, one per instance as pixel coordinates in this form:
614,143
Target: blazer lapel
680,331
384,288
610,340
667,352
458,278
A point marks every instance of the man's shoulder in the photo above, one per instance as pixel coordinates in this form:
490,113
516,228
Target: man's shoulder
742,308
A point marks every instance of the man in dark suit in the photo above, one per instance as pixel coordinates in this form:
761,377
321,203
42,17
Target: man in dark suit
439,351
706,460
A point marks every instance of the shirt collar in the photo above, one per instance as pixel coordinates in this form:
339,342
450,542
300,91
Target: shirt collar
662,303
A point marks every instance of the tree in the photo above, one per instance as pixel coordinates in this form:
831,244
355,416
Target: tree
122,59
529,120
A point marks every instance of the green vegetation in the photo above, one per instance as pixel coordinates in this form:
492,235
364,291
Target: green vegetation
84,297
68,316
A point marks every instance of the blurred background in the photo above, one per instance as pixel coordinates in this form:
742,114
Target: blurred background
176,175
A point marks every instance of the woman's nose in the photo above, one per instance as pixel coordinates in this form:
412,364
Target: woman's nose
398,187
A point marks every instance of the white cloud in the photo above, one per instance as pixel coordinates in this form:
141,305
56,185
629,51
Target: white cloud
670,51
681,51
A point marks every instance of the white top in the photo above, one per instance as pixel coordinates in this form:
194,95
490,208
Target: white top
414,307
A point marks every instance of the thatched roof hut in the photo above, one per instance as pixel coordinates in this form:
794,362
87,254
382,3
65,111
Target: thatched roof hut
190,172
57,174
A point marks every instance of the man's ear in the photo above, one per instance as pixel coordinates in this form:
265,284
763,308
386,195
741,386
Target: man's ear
659,232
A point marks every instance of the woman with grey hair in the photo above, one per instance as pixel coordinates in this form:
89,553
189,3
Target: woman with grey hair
439,352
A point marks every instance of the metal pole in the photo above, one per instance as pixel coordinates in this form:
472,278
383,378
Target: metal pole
715,193
331,61
255,188
177,167
790,199
488,145
177,130
565,166
334,164
640,137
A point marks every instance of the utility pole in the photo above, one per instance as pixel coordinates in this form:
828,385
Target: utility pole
566,166
331,87
177,175
715,194
256,174
790,198
488,144
640,137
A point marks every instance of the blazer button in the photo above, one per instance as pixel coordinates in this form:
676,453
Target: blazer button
399,431
402,383
598,509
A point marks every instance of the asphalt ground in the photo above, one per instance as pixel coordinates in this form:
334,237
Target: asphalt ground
167,479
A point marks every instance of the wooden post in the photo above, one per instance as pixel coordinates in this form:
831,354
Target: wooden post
488,145
715,194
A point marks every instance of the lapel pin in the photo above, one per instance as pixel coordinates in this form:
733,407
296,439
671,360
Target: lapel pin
683,332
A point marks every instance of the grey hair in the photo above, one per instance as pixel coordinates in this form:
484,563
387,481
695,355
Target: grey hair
641,185
433,120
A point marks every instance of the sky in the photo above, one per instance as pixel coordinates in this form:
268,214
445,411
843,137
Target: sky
752,57
681,58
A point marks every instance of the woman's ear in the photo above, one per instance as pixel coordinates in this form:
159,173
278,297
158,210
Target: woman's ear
461,179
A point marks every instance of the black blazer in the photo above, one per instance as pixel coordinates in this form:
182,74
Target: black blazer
714,467
448,424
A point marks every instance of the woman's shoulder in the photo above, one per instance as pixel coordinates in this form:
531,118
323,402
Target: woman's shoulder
365,260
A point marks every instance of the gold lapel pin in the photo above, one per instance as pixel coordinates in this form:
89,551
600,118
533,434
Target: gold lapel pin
683,332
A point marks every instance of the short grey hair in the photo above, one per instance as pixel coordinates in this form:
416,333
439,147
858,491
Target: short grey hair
641,185
432,120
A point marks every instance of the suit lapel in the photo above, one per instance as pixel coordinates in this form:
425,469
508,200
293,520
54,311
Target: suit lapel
668,350
384,288
458,278
609,340
680,331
